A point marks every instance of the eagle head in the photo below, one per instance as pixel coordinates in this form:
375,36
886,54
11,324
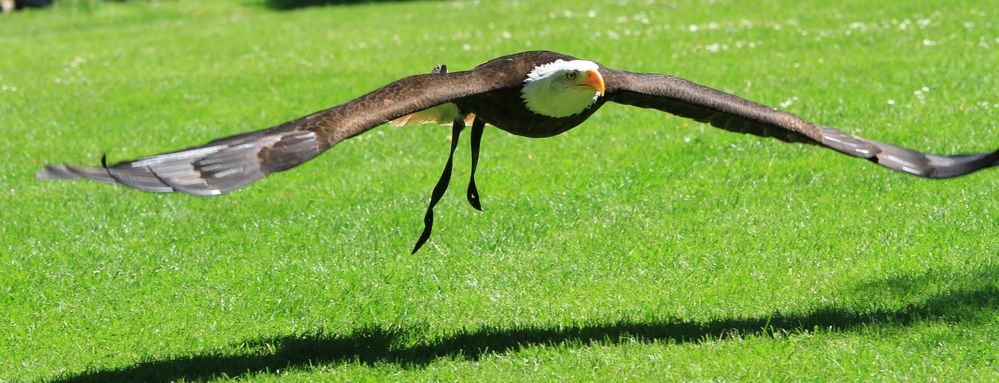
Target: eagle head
562,88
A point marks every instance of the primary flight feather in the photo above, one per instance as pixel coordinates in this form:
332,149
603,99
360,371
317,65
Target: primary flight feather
533,94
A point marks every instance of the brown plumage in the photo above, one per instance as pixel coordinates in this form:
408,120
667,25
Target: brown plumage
493,92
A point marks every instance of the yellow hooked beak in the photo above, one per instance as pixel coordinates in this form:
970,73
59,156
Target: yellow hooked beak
595,81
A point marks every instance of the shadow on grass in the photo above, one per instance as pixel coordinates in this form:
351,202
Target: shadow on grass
978,294
284,5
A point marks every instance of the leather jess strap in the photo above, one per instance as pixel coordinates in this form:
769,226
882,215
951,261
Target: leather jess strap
473,193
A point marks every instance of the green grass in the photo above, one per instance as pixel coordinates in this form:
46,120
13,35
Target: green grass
636,247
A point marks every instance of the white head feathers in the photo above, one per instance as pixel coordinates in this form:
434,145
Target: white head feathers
556,89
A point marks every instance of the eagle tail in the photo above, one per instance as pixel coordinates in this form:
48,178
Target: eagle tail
215,168
906,160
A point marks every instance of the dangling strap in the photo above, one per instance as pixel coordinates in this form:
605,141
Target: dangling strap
473,194
428,220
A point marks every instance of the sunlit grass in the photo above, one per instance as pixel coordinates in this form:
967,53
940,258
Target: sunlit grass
639,246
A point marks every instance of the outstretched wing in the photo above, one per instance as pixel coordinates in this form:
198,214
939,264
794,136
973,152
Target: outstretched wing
228,163
723,110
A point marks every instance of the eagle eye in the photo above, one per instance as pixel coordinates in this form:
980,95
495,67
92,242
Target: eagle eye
571,75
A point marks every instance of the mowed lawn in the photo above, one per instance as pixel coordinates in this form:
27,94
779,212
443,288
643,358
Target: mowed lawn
637,247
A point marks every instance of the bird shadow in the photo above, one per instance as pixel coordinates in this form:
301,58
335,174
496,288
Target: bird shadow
286,5
969,297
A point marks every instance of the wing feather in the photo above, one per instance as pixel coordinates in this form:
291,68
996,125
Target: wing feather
687,99
225,164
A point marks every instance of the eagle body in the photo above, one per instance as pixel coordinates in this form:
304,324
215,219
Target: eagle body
532,94
505,110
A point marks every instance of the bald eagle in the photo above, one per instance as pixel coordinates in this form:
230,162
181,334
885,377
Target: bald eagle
533,94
